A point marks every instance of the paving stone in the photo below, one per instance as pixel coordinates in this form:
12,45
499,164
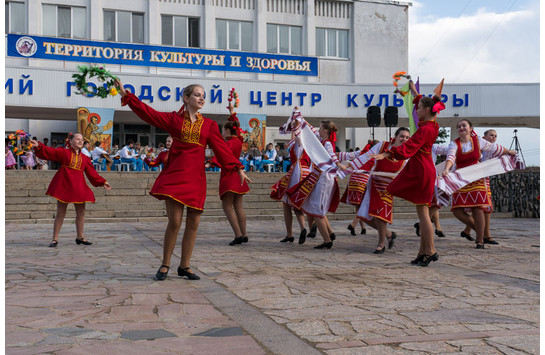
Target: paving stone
148,334
221,332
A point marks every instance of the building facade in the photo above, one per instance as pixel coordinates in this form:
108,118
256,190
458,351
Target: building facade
331,58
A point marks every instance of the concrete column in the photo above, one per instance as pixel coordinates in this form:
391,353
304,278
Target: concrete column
95,19
153,23
309,33
34,17
208,26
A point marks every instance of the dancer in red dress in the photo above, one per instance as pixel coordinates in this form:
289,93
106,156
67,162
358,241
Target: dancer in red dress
183,182
231,191
68,185
465,151
416,182
162,158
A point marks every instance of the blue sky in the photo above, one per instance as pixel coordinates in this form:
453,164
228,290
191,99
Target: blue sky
478,41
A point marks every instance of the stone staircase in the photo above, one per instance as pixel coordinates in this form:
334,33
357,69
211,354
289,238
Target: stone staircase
129,201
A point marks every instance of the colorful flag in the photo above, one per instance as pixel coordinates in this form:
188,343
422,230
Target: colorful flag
409,106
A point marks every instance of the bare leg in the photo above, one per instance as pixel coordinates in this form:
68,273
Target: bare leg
434,215
427,246
288,220
227,203
322,227
478,217
464,218
300,218
382,232
175,212
190,235
59,219
80,219
371,223
241,214
487,225
329,229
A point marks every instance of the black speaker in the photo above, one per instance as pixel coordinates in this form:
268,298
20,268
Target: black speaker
373,116
390,116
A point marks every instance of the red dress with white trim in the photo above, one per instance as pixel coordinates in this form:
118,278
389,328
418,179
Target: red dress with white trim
355,190
184,180
68,185
416,182
475,194
229,179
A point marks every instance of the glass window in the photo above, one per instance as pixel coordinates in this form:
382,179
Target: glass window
137,28
166,30
221,34
235,35
331,42
272,39
296,40
284,39
49,23
15,17
246,36
64,21
180,31
123,26
79,23
193,26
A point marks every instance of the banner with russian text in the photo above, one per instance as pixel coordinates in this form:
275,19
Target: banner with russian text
67,49
96,124
255,125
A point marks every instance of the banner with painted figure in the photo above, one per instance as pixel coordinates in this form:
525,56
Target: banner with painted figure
96,124
255,126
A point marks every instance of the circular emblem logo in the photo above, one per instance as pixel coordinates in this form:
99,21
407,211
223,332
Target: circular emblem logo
26,46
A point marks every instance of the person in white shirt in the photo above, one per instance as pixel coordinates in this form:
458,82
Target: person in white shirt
268,158
85,149
98,155
127,155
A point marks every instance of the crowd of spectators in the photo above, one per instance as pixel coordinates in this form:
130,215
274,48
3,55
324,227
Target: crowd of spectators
271,159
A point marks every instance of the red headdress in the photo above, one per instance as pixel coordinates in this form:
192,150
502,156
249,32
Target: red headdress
333,138
439,106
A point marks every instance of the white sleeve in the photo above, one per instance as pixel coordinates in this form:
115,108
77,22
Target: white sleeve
361,160
451,152
492,148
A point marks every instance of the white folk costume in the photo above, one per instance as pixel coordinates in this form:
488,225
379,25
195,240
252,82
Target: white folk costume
377,202
318,193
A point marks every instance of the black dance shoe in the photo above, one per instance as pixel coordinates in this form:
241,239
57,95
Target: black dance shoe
245,239
54,243
490,241
237,240
417,226
185,272
82,241
379,251
324,245
419,258
440,234
351,229
160,276
312,233
287,239
303,236
467,236
332,236
363,231
479,246
391,240
427,259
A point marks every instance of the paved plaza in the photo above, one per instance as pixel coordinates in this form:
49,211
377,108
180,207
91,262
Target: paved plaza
266,297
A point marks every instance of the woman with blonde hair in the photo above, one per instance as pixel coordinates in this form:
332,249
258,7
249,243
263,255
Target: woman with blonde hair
183,182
